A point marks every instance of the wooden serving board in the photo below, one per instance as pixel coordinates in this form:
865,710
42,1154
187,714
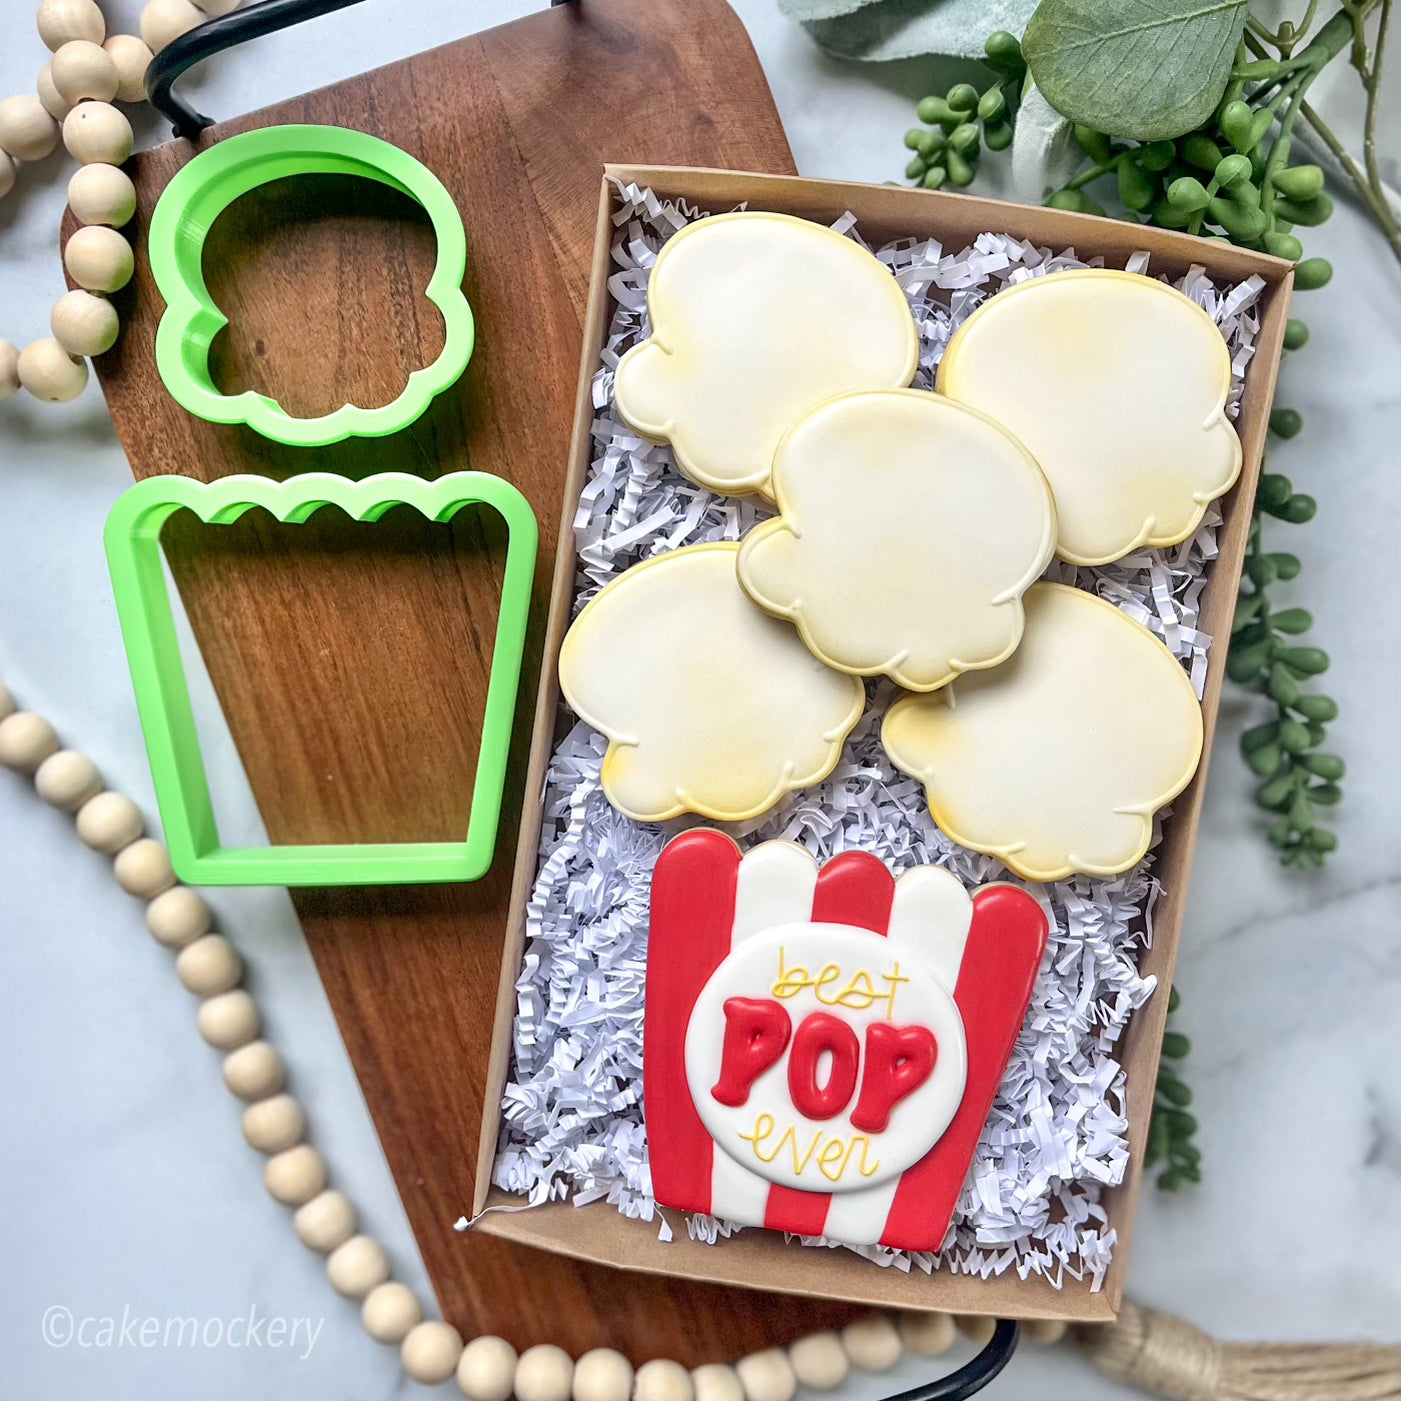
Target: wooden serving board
351,661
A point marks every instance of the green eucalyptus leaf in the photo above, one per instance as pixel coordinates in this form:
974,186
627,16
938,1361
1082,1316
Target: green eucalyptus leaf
889,29
1145,69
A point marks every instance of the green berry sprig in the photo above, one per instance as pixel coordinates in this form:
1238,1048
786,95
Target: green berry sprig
961,122
1172,1130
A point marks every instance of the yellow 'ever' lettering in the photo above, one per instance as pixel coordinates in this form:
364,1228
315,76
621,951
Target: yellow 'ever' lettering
833,1154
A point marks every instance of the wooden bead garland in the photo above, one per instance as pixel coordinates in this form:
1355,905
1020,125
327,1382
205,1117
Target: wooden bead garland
209,966
274,1124
295,1176
326,1222
143,868
81,71
767,1376
102,194
67,779
603,1374
74,93
178,917
819,1361
430,1352
254,1071
546,1373
357,1267
391,1309
487,1368
657,1380
715,1381
872,1343
975,1327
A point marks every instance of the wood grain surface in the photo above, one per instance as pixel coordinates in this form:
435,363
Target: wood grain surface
351,661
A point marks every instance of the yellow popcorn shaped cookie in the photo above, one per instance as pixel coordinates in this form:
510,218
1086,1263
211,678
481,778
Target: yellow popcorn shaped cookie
756,317
1056,761
910,528
709,705
1117,385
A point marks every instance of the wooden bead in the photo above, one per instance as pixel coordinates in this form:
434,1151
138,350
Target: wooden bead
26,740
872,1342
108,822
102,194
819,1361
98,258
275,1124
294,1176
357,1266
391,1309
9,354
215,8
603,1374
132,58
55,104
229,1020
544,1373
487,1369
67,779
431,1351
209,966
254,1071
662,1380
27,131
325,1222
766,1376
165,20
143,868
84,324
50,373
62,21
178,917
83,71
7,700
975,1327
928,1334
97,131
1043,1330
9,173
716,1382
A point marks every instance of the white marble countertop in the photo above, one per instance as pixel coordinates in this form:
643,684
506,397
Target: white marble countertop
127,1185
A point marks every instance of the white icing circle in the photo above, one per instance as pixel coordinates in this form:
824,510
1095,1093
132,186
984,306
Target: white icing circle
916,1122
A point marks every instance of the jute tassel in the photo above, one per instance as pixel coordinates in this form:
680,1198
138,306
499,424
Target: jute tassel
1163,1355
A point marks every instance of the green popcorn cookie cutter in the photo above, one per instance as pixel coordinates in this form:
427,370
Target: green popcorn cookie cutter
132,539
188,208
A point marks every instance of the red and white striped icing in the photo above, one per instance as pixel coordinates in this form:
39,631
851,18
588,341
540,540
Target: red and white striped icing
964,965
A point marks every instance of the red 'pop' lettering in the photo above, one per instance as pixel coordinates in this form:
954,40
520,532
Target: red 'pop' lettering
898,1061
819,1033
757,1031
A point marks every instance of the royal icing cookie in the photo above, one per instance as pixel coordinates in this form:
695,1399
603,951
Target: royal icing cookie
910,528
1117,384
822,1046
709,705
755,318
1056,761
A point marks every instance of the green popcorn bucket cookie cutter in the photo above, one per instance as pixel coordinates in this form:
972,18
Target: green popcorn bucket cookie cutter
134,558
202,190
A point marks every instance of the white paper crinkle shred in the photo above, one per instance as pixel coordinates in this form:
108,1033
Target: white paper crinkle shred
1056,1136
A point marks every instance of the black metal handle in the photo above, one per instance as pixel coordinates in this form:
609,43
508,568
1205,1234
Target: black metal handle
973,1376
213,37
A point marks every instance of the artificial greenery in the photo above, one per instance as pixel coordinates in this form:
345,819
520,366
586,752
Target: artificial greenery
1227,178
1147,72
1172,1130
